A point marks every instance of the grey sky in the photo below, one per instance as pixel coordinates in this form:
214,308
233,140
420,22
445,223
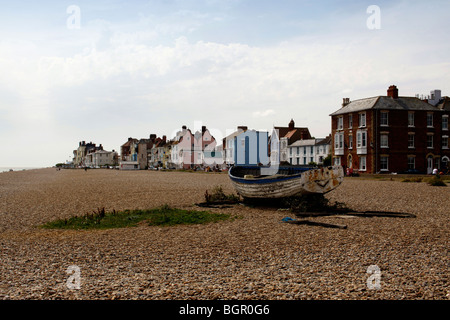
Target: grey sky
144,67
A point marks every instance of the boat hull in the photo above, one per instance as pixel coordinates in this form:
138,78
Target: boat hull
317,180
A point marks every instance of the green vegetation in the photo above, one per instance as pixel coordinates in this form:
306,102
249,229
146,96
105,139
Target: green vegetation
218,195
436,181
162,216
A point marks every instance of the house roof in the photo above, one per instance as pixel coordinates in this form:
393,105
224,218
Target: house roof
327,140
385,103
129,142
444,104
301,143
287,132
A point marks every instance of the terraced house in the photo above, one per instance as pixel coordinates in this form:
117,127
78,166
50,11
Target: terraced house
392,134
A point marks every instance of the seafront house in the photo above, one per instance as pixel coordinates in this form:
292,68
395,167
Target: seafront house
103,158
144,151
282,137
157,154
81,153
129,155
443,104
391,134
228,149
303,152
181,149
188,149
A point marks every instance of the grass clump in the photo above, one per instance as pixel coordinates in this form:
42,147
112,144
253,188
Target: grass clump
436,181
162,216
218,195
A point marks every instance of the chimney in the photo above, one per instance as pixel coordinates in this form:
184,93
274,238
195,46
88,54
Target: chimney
164,138
152,137
203,129
393,92
291,124
183,127
129,139
345,101
243,128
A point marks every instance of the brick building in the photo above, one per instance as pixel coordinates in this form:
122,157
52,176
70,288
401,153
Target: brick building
386,134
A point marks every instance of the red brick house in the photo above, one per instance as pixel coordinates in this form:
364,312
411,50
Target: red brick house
387,134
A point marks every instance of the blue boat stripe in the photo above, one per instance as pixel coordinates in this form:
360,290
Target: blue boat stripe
260,181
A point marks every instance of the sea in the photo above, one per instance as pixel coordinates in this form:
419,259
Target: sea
6,169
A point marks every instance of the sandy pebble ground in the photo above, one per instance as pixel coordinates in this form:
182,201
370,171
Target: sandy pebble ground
256,256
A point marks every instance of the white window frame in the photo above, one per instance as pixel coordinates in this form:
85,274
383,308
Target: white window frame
428,140
410,119
384,140
362,120
445,123
363,163
413,162
340,123
350,141
338,144
411,134
361,142
445,139
387,119
350,121
429,117
381,163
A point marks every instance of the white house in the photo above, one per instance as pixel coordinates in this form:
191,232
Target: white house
303,152
282,137
102,158
189,150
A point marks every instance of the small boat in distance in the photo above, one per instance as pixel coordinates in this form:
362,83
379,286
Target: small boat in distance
288,181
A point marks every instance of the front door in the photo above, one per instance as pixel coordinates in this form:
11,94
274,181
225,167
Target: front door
429,165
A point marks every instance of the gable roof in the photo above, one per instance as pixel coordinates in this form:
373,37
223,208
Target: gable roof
385,103
288,133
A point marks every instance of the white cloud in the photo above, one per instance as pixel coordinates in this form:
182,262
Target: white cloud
262,114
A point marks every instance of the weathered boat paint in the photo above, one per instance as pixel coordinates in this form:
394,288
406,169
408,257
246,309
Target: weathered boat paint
307,180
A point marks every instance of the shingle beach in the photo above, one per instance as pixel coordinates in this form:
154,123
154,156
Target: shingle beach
256,256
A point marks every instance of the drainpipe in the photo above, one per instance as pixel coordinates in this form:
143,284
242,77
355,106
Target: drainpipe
376,141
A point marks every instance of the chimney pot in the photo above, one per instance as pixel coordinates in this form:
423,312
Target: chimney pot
291,124
393,92
345,101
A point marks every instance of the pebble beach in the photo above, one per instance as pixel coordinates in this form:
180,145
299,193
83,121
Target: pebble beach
255,256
